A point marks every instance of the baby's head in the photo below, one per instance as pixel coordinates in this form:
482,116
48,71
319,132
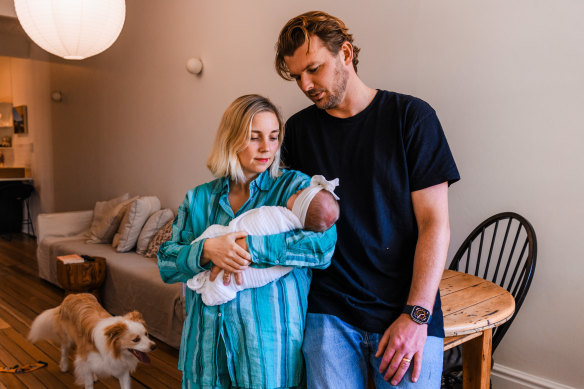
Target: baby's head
322,210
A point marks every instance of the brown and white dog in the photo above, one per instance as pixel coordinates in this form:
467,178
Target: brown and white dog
105,345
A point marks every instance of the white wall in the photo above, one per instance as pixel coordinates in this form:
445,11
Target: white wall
7,8
31,87
5,80
26,81
505,77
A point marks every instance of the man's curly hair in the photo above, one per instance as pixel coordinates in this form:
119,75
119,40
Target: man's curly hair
331,30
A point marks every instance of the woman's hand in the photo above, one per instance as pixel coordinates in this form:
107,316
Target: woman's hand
225,253
215,271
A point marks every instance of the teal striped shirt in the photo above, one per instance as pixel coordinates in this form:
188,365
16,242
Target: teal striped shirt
259,333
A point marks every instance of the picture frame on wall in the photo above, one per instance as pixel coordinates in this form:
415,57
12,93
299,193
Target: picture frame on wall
20,117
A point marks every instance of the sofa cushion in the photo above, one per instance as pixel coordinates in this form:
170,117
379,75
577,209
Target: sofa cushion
136,215
107,216
151,227
164,234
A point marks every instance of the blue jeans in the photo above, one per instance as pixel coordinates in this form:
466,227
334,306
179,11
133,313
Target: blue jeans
339,355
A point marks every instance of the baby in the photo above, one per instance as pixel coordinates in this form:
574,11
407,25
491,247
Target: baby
311,209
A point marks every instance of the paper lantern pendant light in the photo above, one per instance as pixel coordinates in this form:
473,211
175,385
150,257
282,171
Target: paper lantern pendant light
72,29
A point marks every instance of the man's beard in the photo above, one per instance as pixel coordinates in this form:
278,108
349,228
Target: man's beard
337,93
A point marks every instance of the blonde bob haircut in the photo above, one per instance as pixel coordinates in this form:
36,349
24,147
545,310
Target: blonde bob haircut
233,136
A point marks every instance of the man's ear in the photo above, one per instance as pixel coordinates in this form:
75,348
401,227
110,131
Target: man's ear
347,52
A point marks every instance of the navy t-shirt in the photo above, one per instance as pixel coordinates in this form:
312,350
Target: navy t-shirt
393,147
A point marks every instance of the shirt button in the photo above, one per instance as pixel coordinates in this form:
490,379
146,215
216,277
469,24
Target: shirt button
219,314
276,261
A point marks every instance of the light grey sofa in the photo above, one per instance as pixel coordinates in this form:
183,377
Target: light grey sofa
132,281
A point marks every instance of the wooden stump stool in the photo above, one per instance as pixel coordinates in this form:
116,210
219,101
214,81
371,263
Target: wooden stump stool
84,277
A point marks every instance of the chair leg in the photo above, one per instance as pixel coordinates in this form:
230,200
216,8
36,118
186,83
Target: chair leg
28,221
30,218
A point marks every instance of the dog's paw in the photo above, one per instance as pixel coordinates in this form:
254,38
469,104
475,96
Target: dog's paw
64,366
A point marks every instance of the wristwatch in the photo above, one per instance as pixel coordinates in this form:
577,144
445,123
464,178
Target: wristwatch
418,314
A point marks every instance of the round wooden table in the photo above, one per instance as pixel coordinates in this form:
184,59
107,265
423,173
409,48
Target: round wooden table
472,307
84,277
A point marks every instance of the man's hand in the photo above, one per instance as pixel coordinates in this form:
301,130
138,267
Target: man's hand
403,339
225,253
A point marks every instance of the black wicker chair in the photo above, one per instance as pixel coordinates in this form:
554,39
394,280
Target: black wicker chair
503,250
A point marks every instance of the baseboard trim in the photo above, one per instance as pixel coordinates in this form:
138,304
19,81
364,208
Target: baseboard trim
528,380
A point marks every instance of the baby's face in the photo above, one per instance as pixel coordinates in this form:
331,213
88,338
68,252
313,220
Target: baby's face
292,199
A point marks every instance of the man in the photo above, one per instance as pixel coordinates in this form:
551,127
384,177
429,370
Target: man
375,312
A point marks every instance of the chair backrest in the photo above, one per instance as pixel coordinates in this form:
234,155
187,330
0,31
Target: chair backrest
503,250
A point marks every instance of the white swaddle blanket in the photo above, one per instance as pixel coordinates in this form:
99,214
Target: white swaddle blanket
264,220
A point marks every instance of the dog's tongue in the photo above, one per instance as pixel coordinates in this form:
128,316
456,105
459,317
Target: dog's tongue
142,357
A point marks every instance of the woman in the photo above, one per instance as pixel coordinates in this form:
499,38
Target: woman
254,340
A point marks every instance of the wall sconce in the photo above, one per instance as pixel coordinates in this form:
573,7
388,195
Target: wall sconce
56,96
72,29
195,65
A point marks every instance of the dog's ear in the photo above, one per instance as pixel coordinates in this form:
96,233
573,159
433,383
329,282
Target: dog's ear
135,316
113,334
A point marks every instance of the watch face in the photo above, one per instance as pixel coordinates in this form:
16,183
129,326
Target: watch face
420,314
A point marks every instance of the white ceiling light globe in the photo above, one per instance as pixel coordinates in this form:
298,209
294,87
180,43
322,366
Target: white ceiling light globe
72,29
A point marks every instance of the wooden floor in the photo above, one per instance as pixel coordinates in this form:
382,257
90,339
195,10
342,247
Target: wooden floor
22,297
